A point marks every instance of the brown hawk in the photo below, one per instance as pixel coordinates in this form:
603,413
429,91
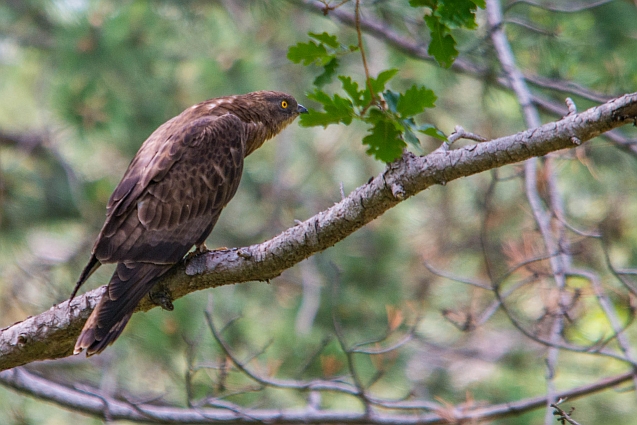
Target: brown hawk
170,199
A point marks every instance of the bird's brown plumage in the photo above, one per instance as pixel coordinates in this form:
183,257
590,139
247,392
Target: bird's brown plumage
171,196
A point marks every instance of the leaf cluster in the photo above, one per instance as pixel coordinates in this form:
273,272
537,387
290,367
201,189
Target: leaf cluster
390,114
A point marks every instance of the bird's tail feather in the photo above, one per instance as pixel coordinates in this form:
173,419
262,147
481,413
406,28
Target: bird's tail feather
92,265
129,284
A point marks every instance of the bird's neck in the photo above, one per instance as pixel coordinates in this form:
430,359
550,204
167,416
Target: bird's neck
256,134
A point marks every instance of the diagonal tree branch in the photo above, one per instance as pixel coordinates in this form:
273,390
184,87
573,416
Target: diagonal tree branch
52,334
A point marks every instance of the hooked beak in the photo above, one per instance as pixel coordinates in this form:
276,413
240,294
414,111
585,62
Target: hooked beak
301,109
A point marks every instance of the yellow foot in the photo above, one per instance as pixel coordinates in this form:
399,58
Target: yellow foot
202,249
221,248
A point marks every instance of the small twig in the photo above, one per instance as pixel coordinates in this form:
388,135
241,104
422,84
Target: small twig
579,232
404,340
460,133
328,7
619,274
359,33
526,24
562,416
439,273
572,108
495,304
518,266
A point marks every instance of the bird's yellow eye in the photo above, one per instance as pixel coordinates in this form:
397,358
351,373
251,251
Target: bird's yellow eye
284,104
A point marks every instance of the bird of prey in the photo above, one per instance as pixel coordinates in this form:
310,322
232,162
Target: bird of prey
171,196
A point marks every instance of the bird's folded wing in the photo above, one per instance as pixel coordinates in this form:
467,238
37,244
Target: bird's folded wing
170,201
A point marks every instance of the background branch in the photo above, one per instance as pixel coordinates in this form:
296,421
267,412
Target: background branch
90,401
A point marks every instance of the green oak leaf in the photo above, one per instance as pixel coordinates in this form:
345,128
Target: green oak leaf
391,98
431,130
351,88
385,141
309,53
411,138
409,126
378,83
328,73
337,110
457,13
327,39
415,100
442,45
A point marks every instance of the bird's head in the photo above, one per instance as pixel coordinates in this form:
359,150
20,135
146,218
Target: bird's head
273,108
268,111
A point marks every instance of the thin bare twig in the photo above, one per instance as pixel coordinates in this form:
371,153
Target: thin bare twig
595,349
568,8
609,310
359,34
314,385
529,26
458,279
562,416
349,354
461,133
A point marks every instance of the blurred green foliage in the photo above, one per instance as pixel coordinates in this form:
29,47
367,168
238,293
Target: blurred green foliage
88,81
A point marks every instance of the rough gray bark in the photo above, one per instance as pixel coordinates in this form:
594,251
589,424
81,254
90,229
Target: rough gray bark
52,334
